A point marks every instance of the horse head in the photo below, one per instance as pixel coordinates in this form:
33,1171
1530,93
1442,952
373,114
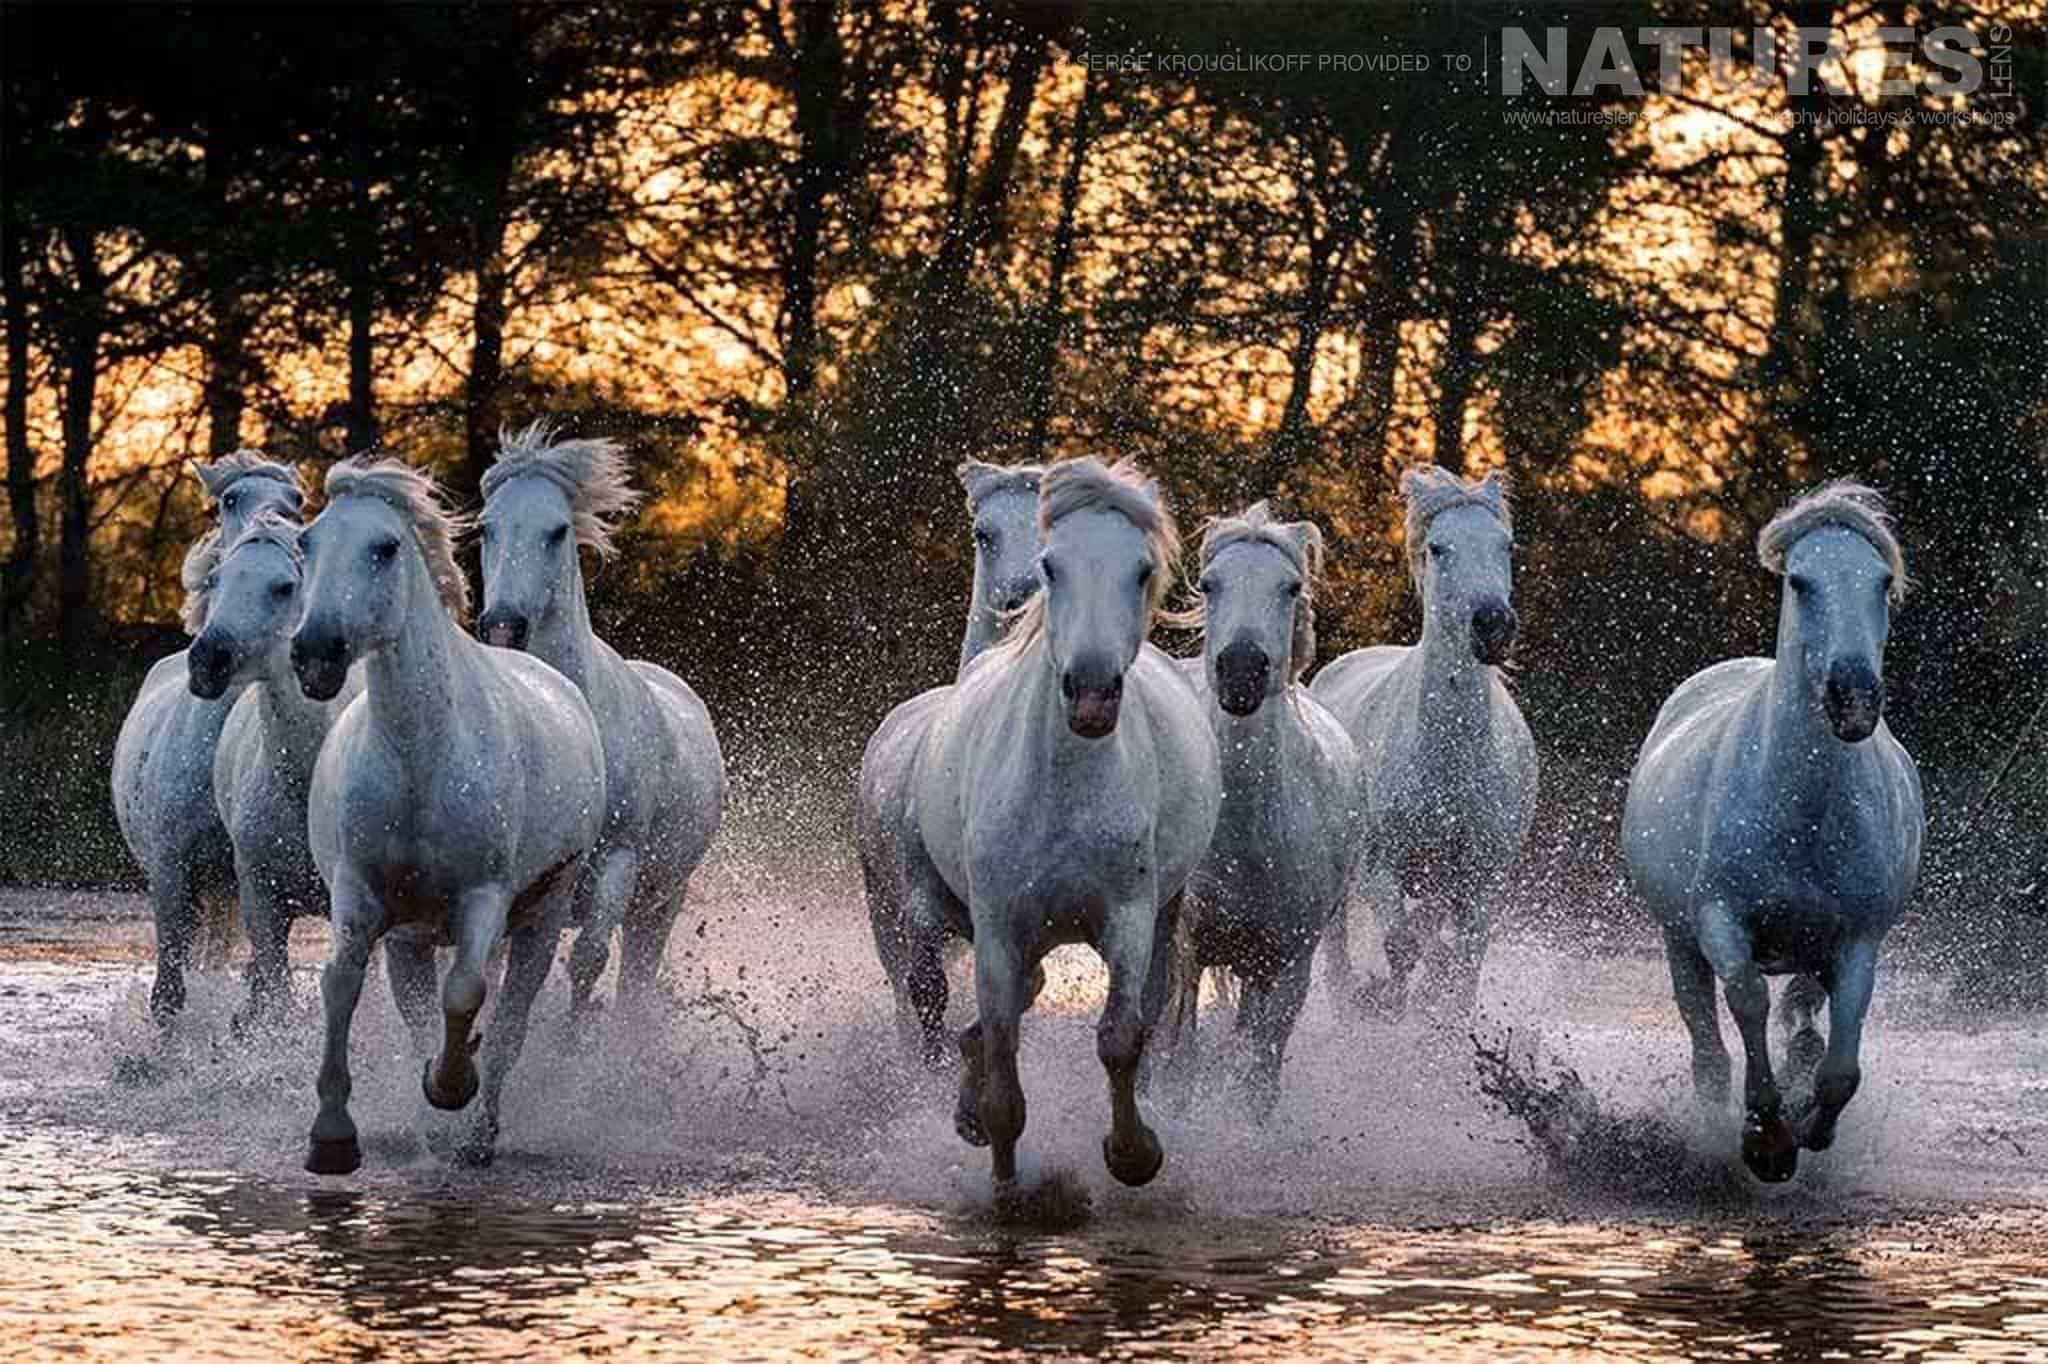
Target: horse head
1460,540
383,542
1258,617
1843,569
543,499
252,605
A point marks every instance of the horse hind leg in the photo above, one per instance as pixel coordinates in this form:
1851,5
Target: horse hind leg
1266,1019
409,965
1799,1008
268,924
643,945
1769,1146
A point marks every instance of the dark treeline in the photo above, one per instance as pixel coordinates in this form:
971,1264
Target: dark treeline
805,257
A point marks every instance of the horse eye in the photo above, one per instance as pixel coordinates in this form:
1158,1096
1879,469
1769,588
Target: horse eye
383,550
1045,567
1144,575
1205,586
984,539
1799,584
1437,551
1292,590
557,535
231,501
1885,584
281,591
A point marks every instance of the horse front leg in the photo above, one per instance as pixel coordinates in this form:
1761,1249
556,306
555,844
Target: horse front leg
643,944
268,924
1769,1146
450,1079
1849,984
175,905
358,920
1001,991
1266,1019
606,892
530,954
1692,988
1140,978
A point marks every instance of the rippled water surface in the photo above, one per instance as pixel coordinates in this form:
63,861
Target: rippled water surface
762,1179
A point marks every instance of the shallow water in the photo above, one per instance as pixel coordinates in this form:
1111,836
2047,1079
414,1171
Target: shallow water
761,1178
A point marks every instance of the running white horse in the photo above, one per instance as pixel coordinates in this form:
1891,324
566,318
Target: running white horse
1450,769
264,762
1065,791
664,777
1287,839
163,758
1774,824
456,799
910,934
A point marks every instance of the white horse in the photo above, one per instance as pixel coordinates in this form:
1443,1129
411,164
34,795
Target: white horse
664,777
456,799
910,933
163,758
1064,793
1774,824
1450,769
264,761
1286,842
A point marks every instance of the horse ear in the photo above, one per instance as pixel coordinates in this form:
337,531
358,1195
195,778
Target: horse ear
207,474
975,476
1493,490
1308,537
1415,481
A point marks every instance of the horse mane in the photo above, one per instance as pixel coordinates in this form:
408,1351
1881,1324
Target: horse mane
1300,541
591,473
1841,502
218,476
983,481
1086,484
195,575
435,527
1432,490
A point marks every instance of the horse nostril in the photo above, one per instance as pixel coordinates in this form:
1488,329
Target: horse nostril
1493,630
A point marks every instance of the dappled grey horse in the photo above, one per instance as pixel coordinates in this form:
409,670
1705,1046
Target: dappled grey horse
1286,840
164,755
909,938
1450,768
264,762
455,801
1065,791
1774,824
544,500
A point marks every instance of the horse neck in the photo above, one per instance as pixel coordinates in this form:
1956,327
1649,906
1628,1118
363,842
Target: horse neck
411,680
294,725
562,637
1798,745
983,625
1456,695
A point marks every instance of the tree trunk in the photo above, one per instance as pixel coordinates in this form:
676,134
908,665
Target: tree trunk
1292,440
992,190
81,360
227,343
1456,369
21,458
482,415
359,270
818,78
1052,313
1384,308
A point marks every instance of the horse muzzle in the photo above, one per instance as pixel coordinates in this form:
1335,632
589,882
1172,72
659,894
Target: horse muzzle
1242,671
1092,707
1853,699
209,666
502,628
321,662
1493,632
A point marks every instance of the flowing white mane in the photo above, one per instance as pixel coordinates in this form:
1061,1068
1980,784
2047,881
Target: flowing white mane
983,481
1843,502
1085,484
434,527
228,470
1432,490
1300,541
592,474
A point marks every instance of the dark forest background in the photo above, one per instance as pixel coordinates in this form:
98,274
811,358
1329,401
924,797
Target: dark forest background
804,257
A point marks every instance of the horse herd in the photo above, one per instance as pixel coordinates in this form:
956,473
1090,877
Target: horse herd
334,742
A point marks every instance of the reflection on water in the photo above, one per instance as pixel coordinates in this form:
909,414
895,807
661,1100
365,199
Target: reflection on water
663,1201
220,1264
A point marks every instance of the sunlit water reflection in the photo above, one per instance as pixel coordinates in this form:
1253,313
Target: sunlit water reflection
763,1180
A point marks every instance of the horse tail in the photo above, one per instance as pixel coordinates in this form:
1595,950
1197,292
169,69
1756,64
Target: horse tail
1184,979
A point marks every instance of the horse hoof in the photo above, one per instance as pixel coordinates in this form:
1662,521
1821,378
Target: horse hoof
333,1156
1137,1164
448,1102
1770,1151
476,1151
